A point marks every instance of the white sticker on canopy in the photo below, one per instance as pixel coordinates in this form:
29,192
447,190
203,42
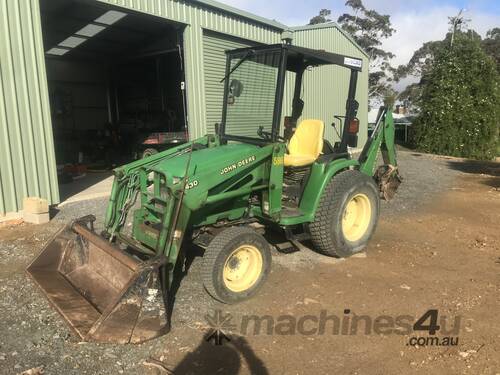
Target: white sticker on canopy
353,62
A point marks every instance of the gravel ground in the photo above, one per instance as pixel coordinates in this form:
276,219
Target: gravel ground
33,335
424,176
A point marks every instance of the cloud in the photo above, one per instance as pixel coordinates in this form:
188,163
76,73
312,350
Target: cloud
413,29
415,21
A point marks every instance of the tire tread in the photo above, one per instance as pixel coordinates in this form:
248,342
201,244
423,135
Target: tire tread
213,250
331,201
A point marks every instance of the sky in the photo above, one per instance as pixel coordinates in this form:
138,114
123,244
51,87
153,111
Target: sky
415,21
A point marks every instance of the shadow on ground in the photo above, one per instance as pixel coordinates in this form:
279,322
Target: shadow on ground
489,169
228,358
87,182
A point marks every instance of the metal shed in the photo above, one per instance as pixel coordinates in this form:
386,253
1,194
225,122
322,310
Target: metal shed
205,27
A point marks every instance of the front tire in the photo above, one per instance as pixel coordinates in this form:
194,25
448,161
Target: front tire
347,215
236,264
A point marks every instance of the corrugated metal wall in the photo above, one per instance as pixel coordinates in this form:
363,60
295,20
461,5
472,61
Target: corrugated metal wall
325,88
214,61
27,162
200,19
255,107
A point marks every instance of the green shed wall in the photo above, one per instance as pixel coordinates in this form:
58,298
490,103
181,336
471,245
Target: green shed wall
27,162
214,61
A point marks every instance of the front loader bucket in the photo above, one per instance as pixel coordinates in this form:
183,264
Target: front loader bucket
103,294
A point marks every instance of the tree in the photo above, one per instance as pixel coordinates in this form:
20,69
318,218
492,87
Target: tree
460,102
369,28
321,18
491,45
419,66
457,23
411,94
423,58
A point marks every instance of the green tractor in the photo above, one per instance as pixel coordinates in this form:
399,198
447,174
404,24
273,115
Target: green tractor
215,191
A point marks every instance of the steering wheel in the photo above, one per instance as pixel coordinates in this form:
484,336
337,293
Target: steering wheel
268,136
264,134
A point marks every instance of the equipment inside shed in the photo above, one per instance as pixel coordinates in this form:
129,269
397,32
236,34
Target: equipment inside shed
115,81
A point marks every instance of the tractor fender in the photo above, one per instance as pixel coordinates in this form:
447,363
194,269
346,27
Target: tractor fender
320,176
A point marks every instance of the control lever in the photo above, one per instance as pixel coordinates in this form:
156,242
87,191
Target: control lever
338,117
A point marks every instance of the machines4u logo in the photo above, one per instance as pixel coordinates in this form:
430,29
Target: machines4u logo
220,324
430,329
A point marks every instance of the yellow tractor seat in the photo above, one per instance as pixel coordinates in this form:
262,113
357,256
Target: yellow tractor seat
306,144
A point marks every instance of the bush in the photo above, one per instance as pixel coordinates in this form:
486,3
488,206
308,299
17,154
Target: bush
460,103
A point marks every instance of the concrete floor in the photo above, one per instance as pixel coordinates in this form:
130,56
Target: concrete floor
91,186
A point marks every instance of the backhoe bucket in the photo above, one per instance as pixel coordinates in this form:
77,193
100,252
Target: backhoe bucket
388,179
104,294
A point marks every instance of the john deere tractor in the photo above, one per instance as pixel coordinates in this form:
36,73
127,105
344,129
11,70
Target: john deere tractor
215,191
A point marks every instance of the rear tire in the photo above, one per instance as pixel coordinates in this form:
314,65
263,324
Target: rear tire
347,215
236,264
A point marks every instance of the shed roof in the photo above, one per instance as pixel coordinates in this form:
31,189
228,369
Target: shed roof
238,12
328,25
275,24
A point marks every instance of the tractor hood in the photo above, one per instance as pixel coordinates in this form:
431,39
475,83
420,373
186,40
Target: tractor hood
215,160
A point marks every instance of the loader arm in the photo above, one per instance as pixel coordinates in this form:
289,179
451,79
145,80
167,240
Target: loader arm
127,182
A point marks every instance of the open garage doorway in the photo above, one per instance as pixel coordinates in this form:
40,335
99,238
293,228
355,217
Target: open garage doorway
116,88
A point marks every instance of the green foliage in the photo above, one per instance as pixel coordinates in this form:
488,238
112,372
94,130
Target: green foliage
423,58
491,45
321,18
369,28
460,102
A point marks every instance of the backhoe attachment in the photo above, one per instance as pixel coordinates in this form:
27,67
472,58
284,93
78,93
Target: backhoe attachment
382,138
388,179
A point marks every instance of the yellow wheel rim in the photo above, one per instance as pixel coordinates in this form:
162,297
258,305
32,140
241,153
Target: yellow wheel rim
357,217
242,268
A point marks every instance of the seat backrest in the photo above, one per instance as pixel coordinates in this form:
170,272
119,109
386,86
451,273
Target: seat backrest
307,139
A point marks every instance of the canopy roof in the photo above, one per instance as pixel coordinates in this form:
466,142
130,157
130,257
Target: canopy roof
300,56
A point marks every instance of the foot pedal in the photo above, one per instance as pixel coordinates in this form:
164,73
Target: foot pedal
295,238
286,247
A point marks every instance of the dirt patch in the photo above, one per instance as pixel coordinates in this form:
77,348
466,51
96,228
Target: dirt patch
437,247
